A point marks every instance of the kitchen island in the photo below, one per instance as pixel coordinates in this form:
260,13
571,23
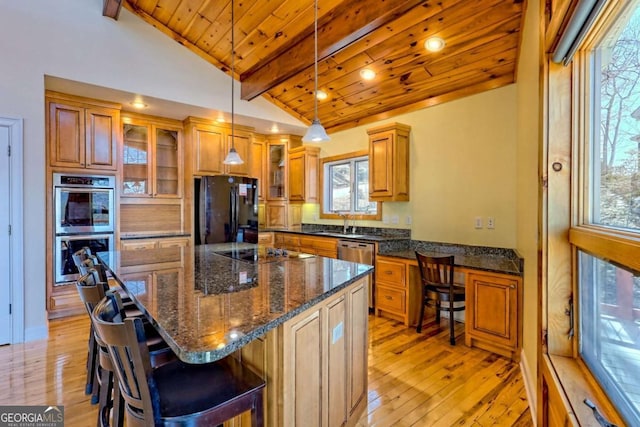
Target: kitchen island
300,321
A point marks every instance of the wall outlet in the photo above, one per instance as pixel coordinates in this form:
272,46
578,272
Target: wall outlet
491,223
385,219
408,220
395,219
478,222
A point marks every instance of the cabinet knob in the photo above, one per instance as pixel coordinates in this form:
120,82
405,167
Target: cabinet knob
388,272
512,286
388,297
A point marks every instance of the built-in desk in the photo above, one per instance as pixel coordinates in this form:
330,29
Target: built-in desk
493,281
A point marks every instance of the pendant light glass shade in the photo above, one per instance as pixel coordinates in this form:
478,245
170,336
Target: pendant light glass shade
233,158
316,132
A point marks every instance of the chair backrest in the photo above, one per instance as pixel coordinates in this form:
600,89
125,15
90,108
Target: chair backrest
126,342
90,289
80,255
436,271
91,262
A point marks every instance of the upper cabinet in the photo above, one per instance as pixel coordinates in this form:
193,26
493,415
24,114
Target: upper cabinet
211,143
81,134
151,157
389,163
276,170
303,174
259,163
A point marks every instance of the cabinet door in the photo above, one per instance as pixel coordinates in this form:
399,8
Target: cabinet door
492,311
167,163
294,220
276,168
242,144
102,126
357,338
136,158
276,215
66,135
303,371
381,165
336,363
296,177
258,166
209,152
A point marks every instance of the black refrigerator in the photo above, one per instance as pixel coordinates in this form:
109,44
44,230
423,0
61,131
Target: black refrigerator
226,209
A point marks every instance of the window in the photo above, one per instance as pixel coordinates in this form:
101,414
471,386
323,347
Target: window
607,233
346,187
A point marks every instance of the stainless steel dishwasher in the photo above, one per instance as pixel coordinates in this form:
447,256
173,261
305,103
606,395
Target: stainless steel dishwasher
362,253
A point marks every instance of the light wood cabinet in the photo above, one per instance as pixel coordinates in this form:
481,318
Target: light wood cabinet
389,163
82,135
210,144
493,304
276,171
259,164
265,238
152,157
323,246
391,289
303,174
153,243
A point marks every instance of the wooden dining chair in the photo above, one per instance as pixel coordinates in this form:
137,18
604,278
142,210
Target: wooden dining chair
176,393
436,274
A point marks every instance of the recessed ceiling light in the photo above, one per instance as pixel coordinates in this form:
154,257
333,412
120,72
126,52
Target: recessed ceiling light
434,44
274,128
367,74
139,104
321,95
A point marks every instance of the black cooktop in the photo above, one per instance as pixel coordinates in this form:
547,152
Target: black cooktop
256,255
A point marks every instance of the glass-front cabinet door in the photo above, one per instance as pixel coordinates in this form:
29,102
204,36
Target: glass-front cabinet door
276,168
136,171
167,172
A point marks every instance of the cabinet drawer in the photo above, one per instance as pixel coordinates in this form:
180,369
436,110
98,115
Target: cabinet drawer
138,245
390,272
291,241
390,299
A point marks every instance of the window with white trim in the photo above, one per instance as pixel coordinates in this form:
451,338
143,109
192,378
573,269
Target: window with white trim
346,187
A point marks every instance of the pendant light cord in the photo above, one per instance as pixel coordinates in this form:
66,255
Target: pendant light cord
233,63
315,63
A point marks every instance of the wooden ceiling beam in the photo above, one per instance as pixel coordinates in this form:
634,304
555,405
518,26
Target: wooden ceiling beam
111,8
340,27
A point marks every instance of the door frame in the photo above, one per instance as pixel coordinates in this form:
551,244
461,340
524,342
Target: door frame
16,240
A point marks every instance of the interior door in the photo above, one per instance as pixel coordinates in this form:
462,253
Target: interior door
5,255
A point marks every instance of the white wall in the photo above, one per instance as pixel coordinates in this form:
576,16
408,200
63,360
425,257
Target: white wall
72,40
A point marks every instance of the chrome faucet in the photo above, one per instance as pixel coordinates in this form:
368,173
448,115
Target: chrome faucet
345,226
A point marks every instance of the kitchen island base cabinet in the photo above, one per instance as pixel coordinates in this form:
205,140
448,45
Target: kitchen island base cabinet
492,321
315,364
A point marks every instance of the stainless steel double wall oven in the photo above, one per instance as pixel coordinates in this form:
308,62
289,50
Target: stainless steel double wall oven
84,215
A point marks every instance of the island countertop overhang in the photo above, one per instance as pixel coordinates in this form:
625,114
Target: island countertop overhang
207,305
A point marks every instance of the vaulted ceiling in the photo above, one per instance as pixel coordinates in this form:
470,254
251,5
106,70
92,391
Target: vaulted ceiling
274,47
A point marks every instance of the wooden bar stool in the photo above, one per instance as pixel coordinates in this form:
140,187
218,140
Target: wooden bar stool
436,274
176,393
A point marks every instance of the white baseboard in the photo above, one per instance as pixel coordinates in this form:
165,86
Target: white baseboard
36,333
530,388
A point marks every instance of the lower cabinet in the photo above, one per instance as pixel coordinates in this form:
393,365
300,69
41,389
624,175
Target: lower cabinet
315,364
493,304
152,243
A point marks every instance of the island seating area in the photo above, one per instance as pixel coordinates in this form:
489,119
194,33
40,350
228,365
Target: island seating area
414,379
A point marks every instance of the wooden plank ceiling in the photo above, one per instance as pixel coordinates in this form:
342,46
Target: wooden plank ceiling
275,56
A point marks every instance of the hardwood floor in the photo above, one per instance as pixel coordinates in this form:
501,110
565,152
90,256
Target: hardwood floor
414,379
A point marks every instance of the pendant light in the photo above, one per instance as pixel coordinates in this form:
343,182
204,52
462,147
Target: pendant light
233,158
316,132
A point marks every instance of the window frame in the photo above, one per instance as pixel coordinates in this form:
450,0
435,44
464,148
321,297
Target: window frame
566,224
330,215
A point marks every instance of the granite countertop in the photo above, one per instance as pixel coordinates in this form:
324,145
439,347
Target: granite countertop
206,305
484,262
340,235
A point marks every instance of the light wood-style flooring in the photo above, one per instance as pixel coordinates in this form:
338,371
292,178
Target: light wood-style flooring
414,379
